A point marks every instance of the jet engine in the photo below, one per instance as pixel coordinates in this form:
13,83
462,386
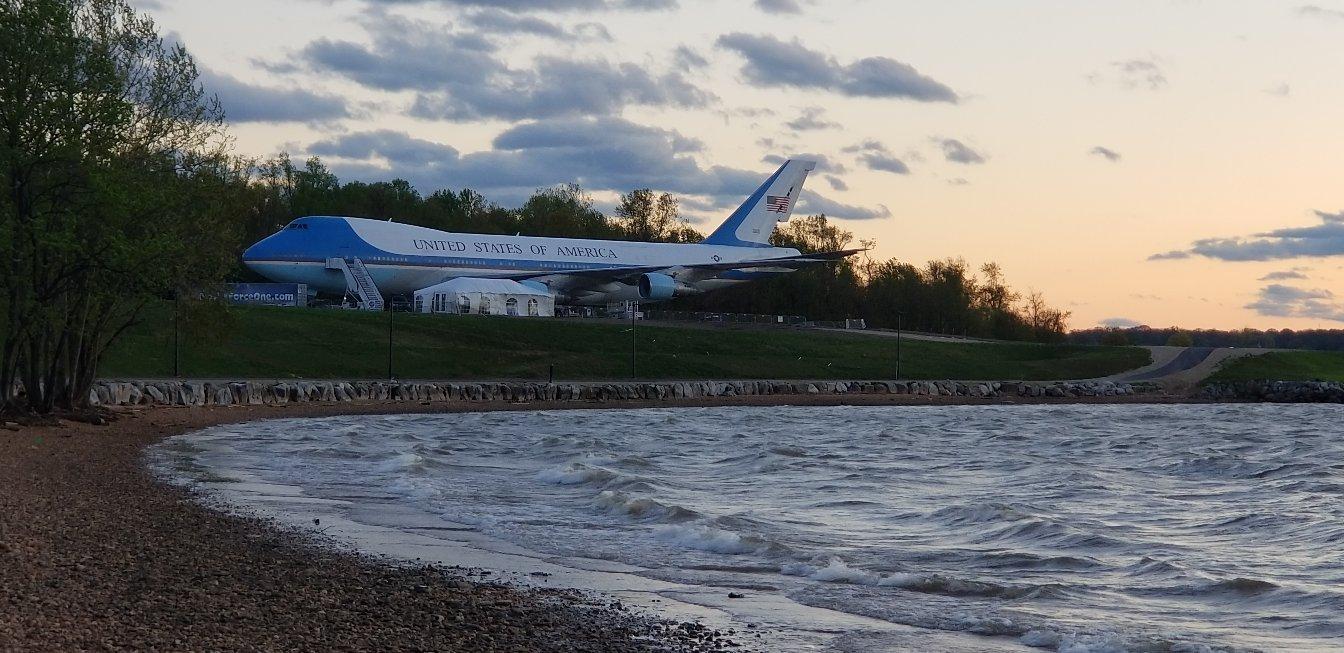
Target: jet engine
654,286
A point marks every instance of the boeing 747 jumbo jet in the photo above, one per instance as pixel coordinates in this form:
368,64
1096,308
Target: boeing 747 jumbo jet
370,257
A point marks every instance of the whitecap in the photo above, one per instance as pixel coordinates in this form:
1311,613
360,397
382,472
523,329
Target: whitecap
575,474
704,538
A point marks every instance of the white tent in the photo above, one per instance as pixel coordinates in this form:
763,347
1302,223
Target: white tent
469,295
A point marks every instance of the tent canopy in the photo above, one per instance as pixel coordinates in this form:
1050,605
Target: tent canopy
465,295
485,286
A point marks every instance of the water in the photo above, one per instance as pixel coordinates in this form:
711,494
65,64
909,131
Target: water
1070,528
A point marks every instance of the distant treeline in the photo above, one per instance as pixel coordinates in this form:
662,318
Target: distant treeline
942,296
1323,339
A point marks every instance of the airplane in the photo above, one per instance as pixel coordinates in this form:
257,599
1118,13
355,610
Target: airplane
371,258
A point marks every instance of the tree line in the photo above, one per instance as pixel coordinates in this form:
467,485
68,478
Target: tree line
122,189
1321,339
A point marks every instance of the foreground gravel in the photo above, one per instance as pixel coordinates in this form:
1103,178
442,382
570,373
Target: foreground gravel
96,554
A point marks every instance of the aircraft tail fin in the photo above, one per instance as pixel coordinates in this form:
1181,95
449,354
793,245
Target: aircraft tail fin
753,222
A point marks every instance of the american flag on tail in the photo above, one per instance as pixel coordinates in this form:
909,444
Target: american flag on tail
777,203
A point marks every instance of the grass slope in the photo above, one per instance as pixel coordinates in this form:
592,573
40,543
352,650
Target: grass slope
1285,366
283,343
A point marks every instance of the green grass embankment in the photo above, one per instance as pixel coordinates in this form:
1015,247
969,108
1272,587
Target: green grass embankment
1284,366
285,343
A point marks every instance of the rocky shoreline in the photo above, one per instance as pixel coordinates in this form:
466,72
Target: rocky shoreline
1290,392
272,393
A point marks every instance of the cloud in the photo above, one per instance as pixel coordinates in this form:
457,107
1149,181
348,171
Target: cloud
752,112
1174,255
1106,153
811,203
1120,323
836,183
1324,239
771,62
245,102
1277,300
1283,275
687,59
518,6
811,119
1279,90
824,163
1316,11
958,152
779,6
884,163
459,75
406,55
600,153
561,87
868,145
644,5
497,21
1134,73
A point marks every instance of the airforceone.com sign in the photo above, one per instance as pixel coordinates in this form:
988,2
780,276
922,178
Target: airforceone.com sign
267,294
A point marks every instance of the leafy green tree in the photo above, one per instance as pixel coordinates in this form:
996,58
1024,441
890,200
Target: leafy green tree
653,218
564,211
118,188
1181,339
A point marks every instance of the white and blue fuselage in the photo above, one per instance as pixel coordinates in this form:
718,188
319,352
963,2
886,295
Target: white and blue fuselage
404,258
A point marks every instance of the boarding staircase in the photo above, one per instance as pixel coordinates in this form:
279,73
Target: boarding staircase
358,282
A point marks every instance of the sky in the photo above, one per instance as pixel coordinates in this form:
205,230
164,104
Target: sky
1159,162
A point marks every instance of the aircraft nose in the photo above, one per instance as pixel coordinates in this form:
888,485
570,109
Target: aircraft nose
262,250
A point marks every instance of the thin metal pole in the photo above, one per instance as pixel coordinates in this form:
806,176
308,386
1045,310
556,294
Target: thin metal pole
177,363
898,346
634,342
390,312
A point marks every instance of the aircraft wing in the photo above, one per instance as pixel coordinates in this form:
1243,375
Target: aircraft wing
571,280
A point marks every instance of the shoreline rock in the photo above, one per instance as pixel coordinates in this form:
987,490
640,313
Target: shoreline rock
1289,392
257,393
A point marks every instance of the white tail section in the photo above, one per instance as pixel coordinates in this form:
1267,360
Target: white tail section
753,222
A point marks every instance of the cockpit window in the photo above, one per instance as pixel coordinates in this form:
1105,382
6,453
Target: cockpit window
297,225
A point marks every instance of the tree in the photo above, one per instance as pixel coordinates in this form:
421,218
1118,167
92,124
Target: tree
119,188
1114,338
1181,339
995,301
652,218
564,211
1047,324
810,235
